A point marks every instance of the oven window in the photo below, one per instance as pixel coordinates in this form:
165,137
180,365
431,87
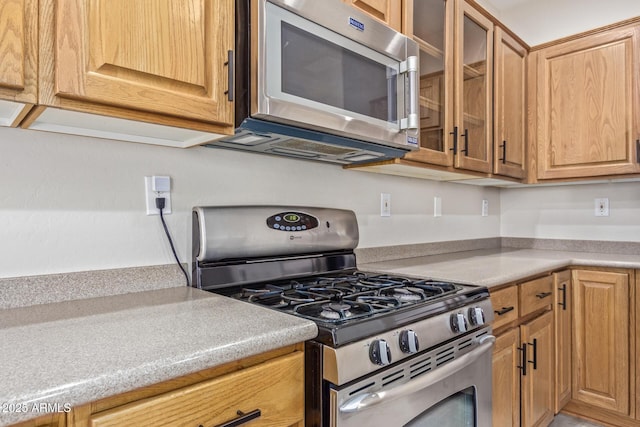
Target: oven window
457,410
316,69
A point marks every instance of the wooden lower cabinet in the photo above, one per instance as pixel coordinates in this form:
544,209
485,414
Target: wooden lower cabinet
49,420
538,381
523,397
268,393
601,351
506,379
562,314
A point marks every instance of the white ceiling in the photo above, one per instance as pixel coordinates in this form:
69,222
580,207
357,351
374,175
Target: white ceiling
540,21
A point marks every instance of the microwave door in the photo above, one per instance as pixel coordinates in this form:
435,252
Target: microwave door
331,81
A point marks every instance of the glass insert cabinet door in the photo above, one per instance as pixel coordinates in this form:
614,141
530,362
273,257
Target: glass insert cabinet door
474,76
430,23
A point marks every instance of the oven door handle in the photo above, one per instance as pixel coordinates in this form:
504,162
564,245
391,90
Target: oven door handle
367,400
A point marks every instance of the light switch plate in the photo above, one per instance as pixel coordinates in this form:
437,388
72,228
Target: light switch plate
601,207
385,204
437,206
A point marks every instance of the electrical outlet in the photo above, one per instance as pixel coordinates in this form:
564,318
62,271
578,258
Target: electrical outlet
437,206
385,204
485,207
601,207
157,186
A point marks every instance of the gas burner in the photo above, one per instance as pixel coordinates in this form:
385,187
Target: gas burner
405,294
379,301
336,310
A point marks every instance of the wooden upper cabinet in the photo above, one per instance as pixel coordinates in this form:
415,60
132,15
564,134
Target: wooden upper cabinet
387,11
588,104
473,89
127,58
430,23
510,108
19,65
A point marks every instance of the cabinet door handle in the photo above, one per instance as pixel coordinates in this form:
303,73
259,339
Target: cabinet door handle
504,310
466,142
242,419
503,159
534,362
563,289
523,366
543,295
638,150
455,140
230,75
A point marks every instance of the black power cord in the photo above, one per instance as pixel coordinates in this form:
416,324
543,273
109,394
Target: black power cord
160,205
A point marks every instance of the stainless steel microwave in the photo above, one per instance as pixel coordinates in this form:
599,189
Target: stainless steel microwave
320,80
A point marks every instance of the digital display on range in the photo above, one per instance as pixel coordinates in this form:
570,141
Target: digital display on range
292,221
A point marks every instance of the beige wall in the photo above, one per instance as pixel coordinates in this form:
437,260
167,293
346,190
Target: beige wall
567,212
72,203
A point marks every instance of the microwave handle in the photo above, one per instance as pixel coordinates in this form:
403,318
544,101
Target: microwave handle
366,400
410,68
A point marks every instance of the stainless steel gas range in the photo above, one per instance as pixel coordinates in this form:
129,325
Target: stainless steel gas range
391,351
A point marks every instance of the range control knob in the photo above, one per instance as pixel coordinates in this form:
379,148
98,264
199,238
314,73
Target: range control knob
476,316
458,322
409,342
379,352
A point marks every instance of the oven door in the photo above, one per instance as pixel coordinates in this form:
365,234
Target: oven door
446,387
317,71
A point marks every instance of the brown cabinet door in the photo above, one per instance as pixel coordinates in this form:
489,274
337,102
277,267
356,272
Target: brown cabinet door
165,57
18,50
562,326
473,88
601,339
588,105
430,24
387,11
538,383
510,110
506,380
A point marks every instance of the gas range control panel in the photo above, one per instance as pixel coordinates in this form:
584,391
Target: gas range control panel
346,363
292,221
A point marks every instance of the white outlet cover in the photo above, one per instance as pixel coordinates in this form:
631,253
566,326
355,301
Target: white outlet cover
150,198
485,207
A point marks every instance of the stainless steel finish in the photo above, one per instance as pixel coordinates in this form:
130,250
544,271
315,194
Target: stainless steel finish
410,66
242,232
344,364
399,394
334,17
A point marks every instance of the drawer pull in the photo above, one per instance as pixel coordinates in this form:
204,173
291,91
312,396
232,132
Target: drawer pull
543,295
504,310
563,289
242,419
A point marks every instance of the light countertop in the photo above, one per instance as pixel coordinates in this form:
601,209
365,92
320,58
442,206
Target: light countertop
494,267
79,351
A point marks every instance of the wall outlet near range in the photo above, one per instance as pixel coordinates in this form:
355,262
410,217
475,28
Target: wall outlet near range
437,206
601,207
157,186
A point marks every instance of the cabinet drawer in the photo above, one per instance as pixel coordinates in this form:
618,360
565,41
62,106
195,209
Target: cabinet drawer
275,388
505,306
535,295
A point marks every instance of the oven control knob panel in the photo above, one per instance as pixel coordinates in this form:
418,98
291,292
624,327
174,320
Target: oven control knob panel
409,342
459,323
379,352
476,316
